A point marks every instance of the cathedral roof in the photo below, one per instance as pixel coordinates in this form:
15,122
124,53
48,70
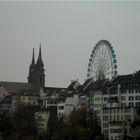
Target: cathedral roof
15,87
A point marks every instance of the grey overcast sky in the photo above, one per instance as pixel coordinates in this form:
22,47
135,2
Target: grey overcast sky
68,32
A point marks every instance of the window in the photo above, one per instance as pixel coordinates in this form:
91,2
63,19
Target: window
127,117
105,118
111,118
39,117
115,130
114,110
48,102
105,111
97,99
131,104
105,125
137,104
114,117
105,131
61,101
105,98
61,107
121,117
127,110
123,104
131,98
123,91
136,90
122,98
118,110
121,110
130,90
137,97
118,117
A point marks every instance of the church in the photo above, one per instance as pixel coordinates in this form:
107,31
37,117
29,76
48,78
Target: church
36,80
36,71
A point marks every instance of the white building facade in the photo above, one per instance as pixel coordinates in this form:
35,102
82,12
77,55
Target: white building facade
42,118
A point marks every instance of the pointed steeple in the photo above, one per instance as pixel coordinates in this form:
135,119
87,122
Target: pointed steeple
33,59
40,50
39,60
32,69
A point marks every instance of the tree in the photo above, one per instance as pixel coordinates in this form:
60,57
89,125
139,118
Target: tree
5,126
76,124
24,123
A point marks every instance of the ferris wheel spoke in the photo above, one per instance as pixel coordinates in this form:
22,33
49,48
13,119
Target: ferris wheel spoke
107,68
106,60
93,71
100,51
109,73
105,53
95,67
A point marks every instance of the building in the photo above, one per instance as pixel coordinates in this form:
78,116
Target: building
36,78
42,118
121,98
3,92
114,103
71,102
36,72
10,103
61,106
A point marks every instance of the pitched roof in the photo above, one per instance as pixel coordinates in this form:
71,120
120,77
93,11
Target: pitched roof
71,86
97,84
15,87
86,84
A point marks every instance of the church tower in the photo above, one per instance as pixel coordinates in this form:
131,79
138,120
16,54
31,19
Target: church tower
40,76
36,71
31,77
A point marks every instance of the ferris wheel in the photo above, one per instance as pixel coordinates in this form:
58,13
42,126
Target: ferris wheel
102,63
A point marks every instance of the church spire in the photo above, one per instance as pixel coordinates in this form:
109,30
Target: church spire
39,61
32,69
40,50
33,59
